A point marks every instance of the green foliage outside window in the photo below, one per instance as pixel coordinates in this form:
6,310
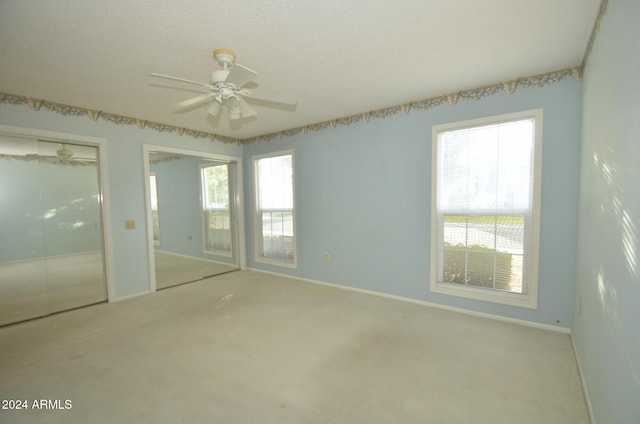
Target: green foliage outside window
476,265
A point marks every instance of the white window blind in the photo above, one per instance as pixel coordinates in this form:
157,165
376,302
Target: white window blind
484,229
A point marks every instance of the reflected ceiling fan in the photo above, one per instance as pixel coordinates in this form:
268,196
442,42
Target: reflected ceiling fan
64,156
226,89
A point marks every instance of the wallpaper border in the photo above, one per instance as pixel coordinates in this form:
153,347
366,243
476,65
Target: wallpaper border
508,87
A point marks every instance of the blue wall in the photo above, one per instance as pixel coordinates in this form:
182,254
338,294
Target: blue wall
606,328
125,178
363,193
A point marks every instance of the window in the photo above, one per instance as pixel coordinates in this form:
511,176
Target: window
154,208
485,208
216,209
275,218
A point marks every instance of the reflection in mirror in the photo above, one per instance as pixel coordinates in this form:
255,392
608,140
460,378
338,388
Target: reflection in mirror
192,215
51,245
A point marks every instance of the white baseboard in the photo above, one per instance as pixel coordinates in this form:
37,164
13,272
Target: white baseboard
548,327
585,391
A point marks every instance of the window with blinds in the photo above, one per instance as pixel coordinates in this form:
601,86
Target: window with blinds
485,207
216,209
275,217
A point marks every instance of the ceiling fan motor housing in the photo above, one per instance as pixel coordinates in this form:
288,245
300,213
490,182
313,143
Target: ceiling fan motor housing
219,75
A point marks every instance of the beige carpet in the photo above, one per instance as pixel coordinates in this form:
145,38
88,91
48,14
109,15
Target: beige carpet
246,347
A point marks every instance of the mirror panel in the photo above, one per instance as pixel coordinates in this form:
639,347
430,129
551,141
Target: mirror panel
192,211
51,246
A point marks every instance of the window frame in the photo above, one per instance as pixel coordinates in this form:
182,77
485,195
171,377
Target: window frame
257,212
532,234
203,187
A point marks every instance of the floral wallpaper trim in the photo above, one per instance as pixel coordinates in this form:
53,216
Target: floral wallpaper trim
508,87
38,104
596,27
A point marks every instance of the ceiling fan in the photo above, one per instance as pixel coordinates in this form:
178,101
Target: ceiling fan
226,89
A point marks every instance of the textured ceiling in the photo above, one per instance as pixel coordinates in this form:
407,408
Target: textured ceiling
341,57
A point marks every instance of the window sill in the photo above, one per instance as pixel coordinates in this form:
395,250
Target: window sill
505,298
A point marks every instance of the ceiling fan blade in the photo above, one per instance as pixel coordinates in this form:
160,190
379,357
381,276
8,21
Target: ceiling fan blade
202,84
239,75
272,96
198,100
247,111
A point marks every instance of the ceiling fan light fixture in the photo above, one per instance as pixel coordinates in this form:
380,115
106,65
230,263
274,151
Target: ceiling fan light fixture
235,110
214,107
64,153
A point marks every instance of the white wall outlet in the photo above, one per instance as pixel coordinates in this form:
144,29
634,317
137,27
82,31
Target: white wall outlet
129,224
327,256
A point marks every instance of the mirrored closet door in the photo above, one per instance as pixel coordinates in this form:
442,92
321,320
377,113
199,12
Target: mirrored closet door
193,213
51,246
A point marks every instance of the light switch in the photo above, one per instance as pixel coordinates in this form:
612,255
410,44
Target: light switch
327,256
130,224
